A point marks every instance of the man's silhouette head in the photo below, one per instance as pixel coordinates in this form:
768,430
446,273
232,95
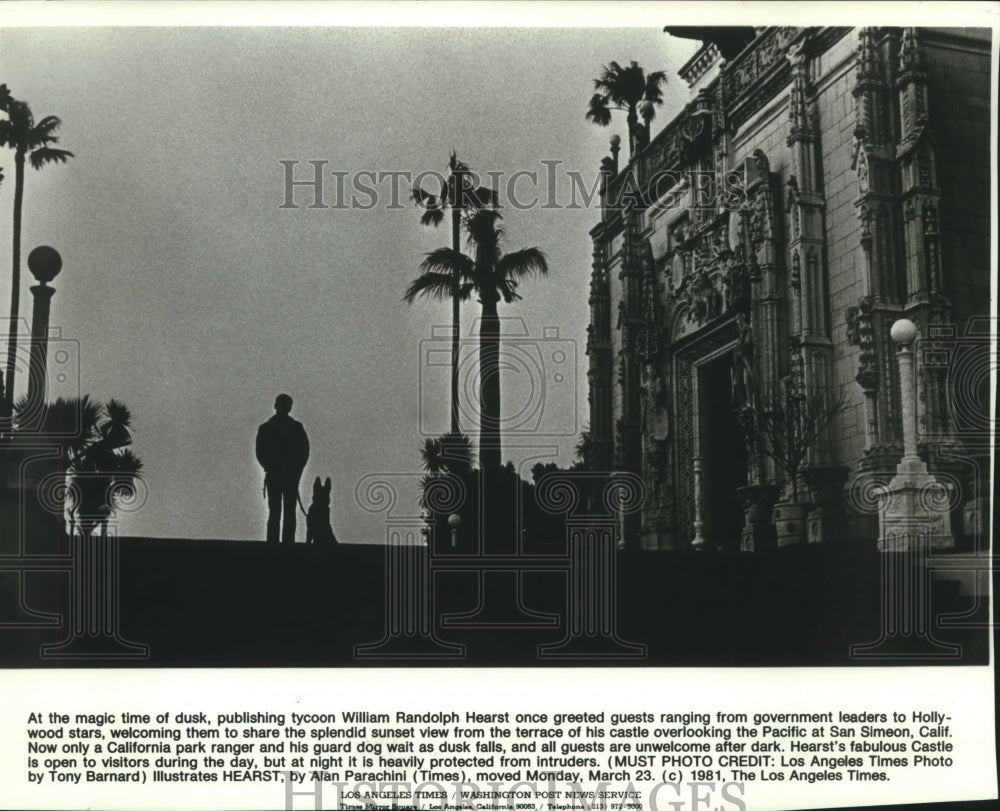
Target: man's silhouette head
282,403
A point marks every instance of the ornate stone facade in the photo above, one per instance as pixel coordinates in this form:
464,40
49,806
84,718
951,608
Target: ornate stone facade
761,245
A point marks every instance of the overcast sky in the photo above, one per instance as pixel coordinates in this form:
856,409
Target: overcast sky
196,299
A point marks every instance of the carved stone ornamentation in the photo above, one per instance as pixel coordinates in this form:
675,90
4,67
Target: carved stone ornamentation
744,385
700,297
800,123
792,207
862,170
795,273
860,333
656,432
736,285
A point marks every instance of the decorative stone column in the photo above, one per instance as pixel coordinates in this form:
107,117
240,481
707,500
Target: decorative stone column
914,502
884,278
698,541
600,370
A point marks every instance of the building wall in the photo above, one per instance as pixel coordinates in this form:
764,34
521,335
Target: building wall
845,263
957,64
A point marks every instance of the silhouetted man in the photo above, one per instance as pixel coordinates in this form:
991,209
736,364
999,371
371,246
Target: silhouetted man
282,450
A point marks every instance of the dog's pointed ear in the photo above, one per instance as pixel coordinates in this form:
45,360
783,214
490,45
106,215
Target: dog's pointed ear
316,484
328,485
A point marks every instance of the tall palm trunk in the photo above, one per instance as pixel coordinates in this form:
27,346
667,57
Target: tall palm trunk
456,223
489,392
632,120
15,276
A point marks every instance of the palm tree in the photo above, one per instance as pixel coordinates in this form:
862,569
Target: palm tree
626,89
584,451
101,466
27,139
446,456
456,195
451,453
493,276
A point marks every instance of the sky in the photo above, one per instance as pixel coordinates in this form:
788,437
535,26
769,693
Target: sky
193,296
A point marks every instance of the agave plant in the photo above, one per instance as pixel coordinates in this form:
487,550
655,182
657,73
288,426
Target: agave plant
102,469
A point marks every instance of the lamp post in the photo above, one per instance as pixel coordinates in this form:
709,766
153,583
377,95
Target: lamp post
44,263
903,334
914,507
914,520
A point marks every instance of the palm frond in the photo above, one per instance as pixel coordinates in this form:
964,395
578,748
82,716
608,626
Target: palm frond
485,197
43,129
5,98
127,464
598,111
115,430
119,413
433,205
609,77
584,446
483,230
21,120
45,154
432,216
71,423
422,197
430,455
457,451
508,290
448,260
525,262
654,83
431,285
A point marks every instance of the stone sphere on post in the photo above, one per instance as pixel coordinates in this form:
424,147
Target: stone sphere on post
44,263
454,521
616,141
903,332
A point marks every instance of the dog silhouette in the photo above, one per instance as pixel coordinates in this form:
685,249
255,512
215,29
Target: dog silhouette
318,529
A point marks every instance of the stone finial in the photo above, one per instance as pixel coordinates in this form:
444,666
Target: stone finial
868,67
910,53
44,263
903,332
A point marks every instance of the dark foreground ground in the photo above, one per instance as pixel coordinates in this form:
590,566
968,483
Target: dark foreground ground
243,604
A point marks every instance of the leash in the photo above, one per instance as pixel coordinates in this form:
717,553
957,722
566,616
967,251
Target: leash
298,497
